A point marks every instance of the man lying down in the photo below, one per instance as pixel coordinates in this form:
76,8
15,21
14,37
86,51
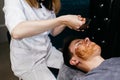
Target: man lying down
83,61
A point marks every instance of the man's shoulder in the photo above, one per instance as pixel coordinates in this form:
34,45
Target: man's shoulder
108,70
67,70
67,73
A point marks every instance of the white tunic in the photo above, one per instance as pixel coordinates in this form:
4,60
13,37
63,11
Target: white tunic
32,53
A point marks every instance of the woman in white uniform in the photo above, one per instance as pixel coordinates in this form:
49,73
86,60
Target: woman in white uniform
29,23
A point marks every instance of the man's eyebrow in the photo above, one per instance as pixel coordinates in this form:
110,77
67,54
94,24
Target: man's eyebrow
78,41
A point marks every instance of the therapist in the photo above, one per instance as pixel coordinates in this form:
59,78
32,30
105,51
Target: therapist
29,23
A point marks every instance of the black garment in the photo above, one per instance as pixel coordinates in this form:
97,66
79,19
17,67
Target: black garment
54,71
104,27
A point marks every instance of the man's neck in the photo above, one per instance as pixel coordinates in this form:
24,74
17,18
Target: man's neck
93,63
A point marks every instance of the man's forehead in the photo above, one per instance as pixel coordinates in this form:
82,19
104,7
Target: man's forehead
74,42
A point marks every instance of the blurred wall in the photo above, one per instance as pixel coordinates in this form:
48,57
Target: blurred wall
3,30
1,13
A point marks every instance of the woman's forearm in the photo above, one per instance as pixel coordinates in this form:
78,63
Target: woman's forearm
57,30
31,28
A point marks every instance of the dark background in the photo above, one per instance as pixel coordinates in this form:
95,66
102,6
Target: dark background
78,7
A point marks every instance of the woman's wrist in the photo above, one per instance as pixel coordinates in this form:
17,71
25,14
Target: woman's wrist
63,20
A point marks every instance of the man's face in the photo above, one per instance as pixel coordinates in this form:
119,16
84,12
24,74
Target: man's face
84,48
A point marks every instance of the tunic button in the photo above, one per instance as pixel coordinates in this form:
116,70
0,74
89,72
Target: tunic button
103,41
101,5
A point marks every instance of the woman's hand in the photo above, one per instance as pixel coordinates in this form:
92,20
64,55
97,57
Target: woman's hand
73,21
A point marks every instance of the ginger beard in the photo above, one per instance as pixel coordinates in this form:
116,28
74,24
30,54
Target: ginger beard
86,51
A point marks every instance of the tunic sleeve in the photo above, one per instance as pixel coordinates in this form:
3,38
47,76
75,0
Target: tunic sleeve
14,13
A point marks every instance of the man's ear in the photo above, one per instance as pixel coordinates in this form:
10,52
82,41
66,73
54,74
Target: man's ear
73,61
